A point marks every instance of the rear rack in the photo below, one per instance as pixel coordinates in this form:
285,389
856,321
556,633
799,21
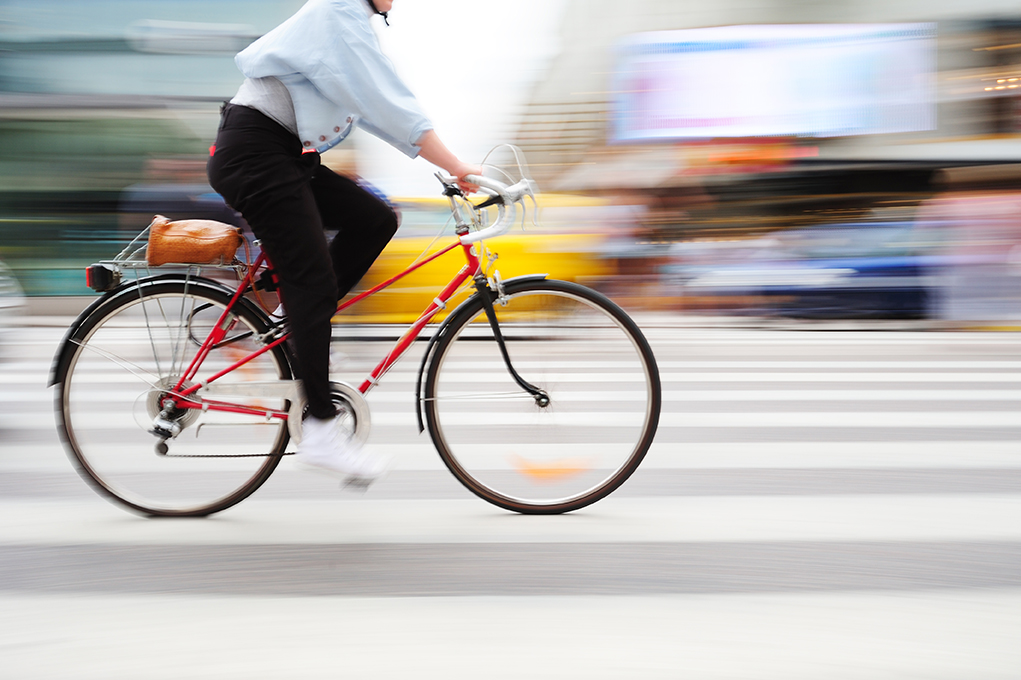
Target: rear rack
107,274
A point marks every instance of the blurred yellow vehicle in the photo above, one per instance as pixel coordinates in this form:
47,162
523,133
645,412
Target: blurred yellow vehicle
569,243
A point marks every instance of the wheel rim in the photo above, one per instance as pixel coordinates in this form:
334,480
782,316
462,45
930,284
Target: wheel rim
107,398
504,446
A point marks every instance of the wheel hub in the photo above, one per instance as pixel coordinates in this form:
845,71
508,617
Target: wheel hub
153,401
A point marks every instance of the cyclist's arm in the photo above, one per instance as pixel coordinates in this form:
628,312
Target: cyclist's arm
432,148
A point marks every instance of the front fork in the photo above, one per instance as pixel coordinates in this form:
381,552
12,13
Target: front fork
485,294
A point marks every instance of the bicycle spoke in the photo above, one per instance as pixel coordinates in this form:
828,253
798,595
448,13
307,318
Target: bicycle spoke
574,442
148,328
215,455
132,368
177,363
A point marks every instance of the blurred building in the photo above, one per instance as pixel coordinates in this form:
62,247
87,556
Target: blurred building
107,108
567,127
105,79
938,87
104,103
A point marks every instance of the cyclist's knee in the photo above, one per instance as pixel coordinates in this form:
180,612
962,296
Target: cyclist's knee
390,222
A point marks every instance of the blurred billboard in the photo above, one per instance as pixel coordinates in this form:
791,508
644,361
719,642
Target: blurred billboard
793,80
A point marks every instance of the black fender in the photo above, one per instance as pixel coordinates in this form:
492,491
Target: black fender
445,328
58,368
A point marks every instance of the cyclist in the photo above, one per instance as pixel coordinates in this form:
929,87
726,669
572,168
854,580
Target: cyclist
308,82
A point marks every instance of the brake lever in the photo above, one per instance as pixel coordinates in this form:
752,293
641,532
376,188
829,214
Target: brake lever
450,187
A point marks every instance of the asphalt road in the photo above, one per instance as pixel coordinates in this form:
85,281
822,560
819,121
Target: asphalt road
817,504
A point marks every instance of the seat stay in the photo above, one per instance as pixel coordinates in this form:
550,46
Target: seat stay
223,324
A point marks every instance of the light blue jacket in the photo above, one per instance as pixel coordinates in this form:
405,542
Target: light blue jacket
329,59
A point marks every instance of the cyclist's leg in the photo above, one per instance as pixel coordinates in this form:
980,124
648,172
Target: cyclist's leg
259,169
364,223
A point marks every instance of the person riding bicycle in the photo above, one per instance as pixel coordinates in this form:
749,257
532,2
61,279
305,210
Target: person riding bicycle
308,83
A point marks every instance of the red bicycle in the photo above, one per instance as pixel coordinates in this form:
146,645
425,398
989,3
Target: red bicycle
176,395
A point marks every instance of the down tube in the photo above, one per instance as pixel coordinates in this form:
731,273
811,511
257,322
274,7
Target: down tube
440,302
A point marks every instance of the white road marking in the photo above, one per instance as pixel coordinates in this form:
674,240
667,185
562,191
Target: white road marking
585,376
407,397
783,455
938,420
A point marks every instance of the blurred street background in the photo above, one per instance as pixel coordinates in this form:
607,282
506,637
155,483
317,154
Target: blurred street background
813,209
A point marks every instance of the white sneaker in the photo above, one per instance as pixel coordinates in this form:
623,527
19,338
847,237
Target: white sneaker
326,447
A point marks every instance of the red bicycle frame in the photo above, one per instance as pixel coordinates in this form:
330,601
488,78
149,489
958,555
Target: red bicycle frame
180,394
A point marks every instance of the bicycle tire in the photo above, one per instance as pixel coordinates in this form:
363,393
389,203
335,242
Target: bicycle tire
496,438
121,352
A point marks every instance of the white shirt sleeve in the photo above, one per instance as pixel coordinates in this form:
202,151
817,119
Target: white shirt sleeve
329,59
355,72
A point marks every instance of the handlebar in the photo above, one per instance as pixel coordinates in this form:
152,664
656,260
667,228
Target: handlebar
510,196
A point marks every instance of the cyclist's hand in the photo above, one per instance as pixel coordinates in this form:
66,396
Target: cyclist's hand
461,171
434,151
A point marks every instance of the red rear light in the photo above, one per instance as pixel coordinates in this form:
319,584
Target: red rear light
101,278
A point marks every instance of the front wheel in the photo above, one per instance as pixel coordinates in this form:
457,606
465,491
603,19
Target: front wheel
583,429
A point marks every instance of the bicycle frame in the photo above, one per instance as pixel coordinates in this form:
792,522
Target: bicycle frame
182,395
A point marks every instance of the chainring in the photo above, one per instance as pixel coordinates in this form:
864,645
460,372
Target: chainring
351,408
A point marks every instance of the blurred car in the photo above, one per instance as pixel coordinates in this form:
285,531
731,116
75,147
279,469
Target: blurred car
840,271
567,244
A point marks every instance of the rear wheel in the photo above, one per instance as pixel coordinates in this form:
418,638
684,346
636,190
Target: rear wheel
585,429
114,371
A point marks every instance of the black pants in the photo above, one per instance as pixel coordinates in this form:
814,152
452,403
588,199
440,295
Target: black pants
288,198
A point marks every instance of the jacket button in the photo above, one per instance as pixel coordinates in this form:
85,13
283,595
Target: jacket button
308,143
336,129
322,138
349,119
